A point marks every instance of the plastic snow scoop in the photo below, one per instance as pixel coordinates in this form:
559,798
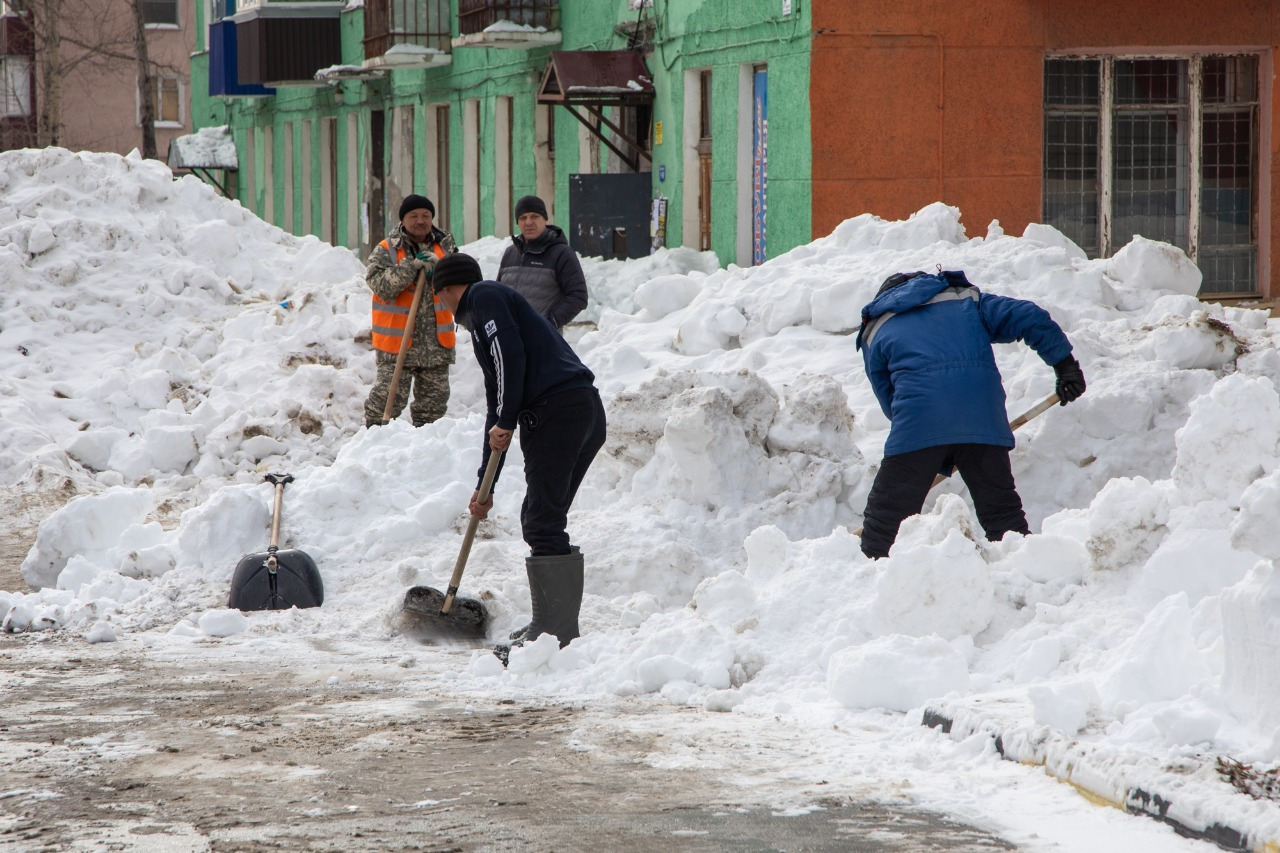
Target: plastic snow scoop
276,580
412,320
445,612
1034,412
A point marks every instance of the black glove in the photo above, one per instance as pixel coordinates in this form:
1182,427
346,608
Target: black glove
1070,384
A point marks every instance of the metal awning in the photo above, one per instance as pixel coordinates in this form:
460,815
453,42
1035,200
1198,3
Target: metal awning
206,149
595,79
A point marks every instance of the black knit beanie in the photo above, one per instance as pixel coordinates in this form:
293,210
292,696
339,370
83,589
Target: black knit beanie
416,202
455,269
531,204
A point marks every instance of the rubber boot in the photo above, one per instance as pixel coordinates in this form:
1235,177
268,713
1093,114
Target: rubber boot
519,633
555,589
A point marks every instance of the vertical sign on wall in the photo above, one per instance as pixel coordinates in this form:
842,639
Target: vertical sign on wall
759,160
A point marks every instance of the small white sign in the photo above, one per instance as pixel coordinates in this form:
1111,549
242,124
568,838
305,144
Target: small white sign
786,7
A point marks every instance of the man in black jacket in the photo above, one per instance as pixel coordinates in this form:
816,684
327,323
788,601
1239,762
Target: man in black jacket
532,379
542,267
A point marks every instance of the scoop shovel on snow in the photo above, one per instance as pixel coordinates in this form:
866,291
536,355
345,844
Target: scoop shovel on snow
275,579
1034,412
444,613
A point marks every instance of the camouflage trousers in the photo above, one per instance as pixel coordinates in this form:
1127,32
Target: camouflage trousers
430,393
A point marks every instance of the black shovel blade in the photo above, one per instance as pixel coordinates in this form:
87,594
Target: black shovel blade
466,618
295,582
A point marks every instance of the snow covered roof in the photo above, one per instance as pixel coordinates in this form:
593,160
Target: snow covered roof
207,148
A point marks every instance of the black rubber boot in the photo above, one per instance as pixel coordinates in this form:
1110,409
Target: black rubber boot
521,633
558,580
555,590
370,423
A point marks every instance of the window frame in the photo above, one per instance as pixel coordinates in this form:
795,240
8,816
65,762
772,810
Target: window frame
175,24
1109,107
158,91
21,99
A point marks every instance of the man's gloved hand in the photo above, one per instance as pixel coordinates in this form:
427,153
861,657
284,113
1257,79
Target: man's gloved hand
1070,384
427,257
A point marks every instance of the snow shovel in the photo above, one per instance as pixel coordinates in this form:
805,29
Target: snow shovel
276,580
394,388
1034,412
445,612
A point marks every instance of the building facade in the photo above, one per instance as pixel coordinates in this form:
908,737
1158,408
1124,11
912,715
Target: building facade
475,103
759,124
70,73
1105,120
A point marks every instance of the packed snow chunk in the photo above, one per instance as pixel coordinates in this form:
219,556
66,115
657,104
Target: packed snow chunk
1050,236
766,549
656,672
101,632
666,294
1151,265
1157,663
92,447
1251,647
234,522
222,623
1065,707
933,582
1048,559
172,448
1229,440
896,672
726,600
815,419
1196,561
1127,521
935,223
41,239
89,526
1183,726
1194,342
1256,528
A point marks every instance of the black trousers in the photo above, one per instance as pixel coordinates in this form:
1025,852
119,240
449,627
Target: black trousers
904,480
559,437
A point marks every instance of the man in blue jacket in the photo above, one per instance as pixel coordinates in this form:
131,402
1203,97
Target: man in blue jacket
926,344
532,379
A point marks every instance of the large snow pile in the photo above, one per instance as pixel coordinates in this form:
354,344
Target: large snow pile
160,348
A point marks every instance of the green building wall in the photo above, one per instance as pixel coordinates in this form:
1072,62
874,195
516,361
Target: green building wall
723,36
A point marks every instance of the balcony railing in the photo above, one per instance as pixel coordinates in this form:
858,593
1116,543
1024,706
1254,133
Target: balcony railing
475,16
406,30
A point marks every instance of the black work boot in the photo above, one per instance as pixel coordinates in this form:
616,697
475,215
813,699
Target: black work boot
555,589
370,423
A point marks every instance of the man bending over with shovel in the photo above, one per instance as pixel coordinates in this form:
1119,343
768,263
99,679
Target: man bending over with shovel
926,344
532,379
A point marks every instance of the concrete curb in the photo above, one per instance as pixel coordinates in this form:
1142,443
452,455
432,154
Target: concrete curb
1134,786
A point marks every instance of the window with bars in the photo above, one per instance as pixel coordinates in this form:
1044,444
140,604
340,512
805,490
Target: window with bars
1164,147
160,12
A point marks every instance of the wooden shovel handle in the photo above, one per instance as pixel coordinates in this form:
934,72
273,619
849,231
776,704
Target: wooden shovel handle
486,486
404,345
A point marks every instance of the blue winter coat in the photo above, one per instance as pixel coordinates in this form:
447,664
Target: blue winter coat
931,364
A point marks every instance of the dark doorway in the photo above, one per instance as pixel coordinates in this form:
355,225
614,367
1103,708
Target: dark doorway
609,214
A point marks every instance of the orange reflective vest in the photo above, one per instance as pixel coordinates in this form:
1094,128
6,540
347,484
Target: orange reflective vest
390,319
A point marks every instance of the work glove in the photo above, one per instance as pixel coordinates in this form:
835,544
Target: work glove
427,257
1070,384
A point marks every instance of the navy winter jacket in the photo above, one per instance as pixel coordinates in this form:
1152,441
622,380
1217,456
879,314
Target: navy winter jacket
523,357
931,364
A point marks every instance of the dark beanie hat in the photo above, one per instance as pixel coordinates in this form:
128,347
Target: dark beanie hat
531,204
455,269
415,202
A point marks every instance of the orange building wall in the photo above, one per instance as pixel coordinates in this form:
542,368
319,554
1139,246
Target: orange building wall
927,100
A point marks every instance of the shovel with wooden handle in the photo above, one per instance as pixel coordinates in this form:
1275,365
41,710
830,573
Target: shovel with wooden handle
404,346
1034,412
445,612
